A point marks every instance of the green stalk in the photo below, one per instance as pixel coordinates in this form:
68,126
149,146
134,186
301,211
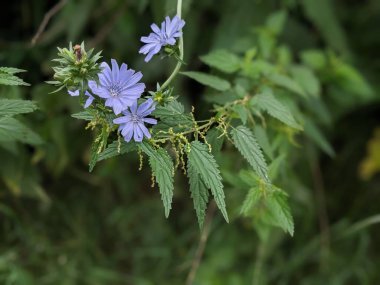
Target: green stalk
179,63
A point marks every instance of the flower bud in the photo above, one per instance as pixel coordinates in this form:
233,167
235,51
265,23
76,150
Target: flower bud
76,67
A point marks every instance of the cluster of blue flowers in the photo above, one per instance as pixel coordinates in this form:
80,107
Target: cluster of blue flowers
120,86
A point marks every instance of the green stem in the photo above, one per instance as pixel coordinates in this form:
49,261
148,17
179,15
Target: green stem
179,63
193,130
258,267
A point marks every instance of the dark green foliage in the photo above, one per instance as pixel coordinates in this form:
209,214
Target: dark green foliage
246,143
61,224
201,161
163,171
199,193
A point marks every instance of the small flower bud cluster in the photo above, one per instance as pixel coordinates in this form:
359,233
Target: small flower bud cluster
75,67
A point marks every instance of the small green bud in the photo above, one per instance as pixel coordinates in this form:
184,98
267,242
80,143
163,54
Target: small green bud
75,65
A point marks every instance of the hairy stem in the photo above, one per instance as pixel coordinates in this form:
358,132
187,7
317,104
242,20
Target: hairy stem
179,63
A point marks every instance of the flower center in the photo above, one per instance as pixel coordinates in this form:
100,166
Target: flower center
114,90
135,118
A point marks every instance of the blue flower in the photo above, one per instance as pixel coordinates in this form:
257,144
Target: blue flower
170,30
119,87
132,123
89,99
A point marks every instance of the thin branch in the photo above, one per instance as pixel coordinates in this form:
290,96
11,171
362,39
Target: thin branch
107,28
202,244
324,223
49,14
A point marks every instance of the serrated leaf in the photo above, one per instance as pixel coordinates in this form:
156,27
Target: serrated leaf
246,143
306,79
9,79
163,171
199,193
262,138
279,209
208,80
172,114
170,109
11,70
287,83
251,199
242,112
116,148
94,154
98,146
222,60
267,102
215,138
204,163
84,115
10,107
13,130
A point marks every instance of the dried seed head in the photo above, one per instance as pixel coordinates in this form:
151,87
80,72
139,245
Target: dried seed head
78,52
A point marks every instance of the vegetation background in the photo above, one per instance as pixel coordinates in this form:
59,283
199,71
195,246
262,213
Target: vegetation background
60,224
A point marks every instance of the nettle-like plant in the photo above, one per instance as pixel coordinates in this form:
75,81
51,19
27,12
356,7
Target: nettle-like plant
11,129
257,107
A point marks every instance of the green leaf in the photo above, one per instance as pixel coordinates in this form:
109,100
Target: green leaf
172,115
267,102
315,59
13,130
10,146
9,79
208,80
279,209
287,83
86,115
98,146
351,80
222,60
314,133
262,138
94,154
242,113
251,199
169,110
267,204
10,107
199,193
276,21
246,143
11,70
163,170
204,163
257,68
322,14
306,79
117,148
215,138
274,167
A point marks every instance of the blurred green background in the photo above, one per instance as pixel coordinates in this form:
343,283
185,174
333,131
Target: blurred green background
60,224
